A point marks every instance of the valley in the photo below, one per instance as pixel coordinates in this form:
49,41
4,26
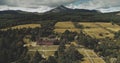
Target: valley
95,30
61,35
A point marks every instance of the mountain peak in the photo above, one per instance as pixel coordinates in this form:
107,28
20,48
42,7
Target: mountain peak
60,8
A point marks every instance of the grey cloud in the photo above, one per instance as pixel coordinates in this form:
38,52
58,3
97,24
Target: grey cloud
35,3
42,5
95,4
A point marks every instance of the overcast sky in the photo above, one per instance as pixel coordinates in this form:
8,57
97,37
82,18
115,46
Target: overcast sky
45,5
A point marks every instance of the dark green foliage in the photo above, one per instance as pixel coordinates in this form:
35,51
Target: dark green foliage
51,59
87,41
11,47
69,36
36,58
72,55
69,55
11,44
117,35
28,58
47,28
62,47
25,59
8,19
109,49
43,61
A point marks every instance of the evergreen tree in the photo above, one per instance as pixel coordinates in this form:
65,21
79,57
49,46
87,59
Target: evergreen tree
61,48
52,59
36,58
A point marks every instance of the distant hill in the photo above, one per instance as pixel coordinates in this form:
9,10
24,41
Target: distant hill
60,13
118,13
9,12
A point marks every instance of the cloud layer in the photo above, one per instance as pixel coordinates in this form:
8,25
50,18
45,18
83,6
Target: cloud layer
45,5
102,5
35,3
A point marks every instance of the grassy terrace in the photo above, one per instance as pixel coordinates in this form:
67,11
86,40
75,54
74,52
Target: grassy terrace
23,26
99,29
61,27
45,50
90,56
96,30
48,50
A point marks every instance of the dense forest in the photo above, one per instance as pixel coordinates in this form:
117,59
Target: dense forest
13,50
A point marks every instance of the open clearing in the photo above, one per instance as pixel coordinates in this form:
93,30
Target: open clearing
64,25
98,33
45,50
63,30
61,27
88,24
23,26
96,30
110,26
99,29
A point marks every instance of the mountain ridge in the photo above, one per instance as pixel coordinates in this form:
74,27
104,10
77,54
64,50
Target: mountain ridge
58,9
62,8
60,13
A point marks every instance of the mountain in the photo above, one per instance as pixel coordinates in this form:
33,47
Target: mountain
59,9
14,12
11,12
60,13
62,8
118,14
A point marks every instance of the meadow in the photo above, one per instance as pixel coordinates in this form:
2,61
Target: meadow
90,56
45,50
99,29
23,26
96,30
61,27
64,25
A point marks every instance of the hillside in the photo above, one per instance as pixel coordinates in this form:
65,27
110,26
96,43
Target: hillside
60,13
62,8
